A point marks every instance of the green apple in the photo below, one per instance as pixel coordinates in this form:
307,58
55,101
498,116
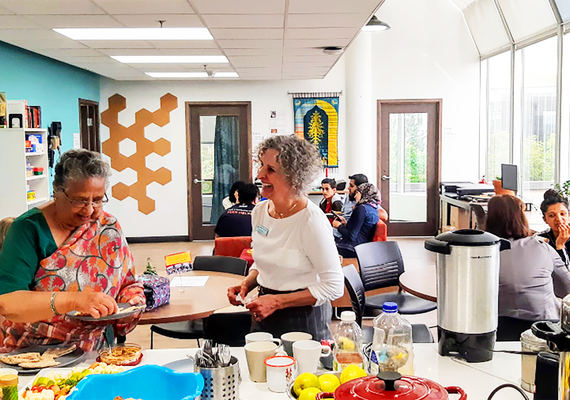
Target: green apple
328,382
304,381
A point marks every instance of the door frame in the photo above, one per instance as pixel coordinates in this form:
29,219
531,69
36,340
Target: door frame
96,130
245,140
430,227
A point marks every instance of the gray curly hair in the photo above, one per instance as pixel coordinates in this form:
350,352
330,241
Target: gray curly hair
78,165
299,159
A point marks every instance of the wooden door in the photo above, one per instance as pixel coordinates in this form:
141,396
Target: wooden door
204,177
409,147
89,125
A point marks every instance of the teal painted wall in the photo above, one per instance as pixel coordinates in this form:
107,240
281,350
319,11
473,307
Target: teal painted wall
53,85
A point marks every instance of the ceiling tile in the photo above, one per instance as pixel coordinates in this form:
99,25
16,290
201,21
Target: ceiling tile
89,59
333,6
5,11
190,52
239,6
326,20
273,51
53,7
251,33
30,34
260,61
316,42
244,21
75,21
37,44
321,33
130,52
303,51
16,22
184,44
56,53
145,6
250,44
117,44
151,20
321,59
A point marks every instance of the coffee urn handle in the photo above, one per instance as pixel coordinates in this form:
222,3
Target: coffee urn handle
437,246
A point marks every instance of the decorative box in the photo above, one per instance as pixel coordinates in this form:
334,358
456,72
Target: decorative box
156,290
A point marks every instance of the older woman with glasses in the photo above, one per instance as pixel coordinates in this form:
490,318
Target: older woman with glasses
67,254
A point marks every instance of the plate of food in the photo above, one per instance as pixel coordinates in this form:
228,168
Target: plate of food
124,310
31,360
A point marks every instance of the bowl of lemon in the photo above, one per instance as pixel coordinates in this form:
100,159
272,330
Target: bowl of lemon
306,386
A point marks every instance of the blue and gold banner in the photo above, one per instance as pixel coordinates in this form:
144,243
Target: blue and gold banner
316,120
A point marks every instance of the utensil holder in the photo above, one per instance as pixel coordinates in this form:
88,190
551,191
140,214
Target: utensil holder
221,383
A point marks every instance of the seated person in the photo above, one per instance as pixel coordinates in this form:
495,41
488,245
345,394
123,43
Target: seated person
67,255
331,201
349,201
532,275
231,199
555,213
236,220
361,226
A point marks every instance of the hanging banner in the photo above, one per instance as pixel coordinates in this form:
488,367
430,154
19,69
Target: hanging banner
316,120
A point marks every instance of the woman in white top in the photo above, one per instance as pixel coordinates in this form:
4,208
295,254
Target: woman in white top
296,264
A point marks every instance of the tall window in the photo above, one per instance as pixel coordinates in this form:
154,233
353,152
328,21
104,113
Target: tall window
498,114
538,117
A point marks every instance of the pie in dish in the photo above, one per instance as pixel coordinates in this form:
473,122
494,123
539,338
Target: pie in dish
121,355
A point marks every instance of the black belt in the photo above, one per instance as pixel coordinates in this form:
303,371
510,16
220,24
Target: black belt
263,291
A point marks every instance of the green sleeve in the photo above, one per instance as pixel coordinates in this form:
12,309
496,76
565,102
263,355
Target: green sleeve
27,242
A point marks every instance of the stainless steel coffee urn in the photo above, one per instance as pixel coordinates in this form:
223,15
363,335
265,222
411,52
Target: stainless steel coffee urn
467,292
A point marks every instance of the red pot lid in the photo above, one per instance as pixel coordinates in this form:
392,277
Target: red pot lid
390,385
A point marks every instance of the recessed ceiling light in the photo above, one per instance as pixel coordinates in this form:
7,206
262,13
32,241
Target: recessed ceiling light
333,50
178,74
171,59
375,25
226,75
136,33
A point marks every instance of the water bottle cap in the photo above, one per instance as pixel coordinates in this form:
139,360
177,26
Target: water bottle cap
390,307
348,316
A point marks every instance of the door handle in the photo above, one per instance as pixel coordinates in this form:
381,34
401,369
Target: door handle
385,178
196,180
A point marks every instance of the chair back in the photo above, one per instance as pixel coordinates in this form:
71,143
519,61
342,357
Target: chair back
231,246
381,232
510,329
231,265
355,290
380,263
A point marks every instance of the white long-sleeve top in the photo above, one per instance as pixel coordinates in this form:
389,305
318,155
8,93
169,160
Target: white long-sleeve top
296,252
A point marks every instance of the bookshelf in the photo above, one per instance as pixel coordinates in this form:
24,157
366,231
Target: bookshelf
14,180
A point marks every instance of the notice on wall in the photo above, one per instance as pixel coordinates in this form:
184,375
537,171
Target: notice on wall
76,141
277,122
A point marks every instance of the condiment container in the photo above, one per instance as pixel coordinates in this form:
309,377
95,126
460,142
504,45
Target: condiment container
9,385
531,343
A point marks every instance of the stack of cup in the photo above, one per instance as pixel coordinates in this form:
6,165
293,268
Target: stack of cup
260,346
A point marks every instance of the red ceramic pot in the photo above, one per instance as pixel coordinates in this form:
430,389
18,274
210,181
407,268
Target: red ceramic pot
392,385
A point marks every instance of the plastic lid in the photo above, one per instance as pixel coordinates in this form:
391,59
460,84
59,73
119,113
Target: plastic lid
9,380
530,340
469,237
348,316
390,307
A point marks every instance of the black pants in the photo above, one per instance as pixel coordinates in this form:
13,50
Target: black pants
311,319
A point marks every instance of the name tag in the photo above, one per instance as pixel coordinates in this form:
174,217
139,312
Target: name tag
262,230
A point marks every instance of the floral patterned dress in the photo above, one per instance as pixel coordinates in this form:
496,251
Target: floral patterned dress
95,258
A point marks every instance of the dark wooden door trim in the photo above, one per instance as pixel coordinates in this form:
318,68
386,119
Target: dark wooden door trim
90,138
193,112
384,107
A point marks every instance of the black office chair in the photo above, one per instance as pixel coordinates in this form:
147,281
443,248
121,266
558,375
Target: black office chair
355,288
194,329
510,329
228,328
381,265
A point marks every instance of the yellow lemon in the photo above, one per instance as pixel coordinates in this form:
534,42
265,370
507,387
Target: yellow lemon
309,393
352,372
304,381
328,382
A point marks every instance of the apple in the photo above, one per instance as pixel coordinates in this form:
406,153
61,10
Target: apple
328,382
304,381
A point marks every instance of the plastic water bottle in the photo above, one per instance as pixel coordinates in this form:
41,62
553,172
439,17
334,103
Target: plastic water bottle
348,342
392,348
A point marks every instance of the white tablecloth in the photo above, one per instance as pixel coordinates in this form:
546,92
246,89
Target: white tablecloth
477,379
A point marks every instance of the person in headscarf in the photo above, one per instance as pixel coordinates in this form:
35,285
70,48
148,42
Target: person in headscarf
361,226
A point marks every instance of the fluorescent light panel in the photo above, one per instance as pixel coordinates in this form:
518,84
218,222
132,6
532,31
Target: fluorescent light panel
178,74
136,33
171,59
226,75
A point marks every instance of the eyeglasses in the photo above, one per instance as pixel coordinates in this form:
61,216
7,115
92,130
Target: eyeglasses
86,203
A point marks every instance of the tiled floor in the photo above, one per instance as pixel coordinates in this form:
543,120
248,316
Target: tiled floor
413,252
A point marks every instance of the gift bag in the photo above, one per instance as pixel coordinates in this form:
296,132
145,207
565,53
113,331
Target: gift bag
156,290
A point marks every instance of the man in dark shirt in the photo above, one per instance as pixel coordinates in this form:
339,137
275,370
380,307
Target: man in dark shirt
236,220
331,201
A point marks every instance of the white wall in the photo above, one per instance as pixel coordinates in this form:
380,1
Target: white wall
428,53
171,217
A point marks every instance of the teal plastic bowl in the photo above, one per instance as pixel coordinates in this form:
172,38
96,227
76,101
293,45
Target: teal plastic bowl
148,382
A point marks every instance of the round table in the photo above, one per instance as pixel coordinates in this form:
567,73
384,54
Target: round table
420,282
194,302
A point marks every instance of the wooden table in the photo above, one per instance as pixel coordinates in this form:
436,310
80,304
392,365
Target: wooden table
194,302
420,282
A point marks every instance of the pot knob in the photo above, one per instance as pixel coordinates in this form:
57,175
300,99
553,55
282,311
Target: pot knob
389,379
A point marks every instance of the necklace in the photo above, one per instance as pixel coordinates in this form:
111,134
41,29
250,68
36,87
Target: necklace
281,215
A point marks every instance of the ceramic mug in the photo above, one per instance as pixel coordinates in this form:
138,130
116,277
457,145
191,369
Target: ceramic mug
291,337
256,353
261,337
280,373
307,353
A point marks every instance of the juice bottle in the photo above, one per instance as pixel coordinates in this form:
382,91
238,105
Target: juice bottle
348,342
